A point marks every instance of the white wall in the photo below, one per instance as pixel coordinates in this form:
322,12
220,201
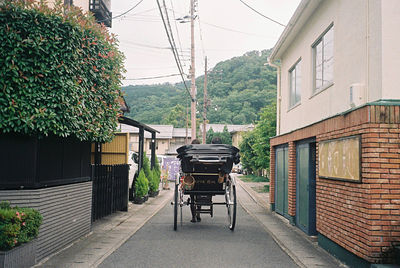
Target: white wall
84,4
390,49
351,56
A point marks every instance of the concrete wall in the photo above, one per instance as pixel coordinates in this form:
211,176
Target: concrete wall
66,211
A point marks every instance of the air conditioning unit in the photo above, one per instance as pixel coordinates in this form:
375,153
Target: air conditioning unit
357,94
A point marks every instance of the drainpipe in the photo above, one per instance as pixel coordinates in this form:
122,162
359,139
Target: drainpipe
279,96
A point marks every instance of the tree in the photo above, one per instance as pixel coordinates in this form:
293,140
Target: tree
60,72
255,146
209,135
176,116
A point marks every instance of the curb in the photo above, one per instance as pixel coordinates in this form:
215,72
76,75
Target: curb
252,194
276,239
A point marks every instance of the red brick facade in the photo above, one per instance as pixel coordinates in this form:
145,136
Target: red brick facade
363,218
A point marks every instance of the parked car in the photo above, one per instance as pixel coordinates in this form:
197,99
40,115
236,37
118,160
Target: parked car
133,168
237,168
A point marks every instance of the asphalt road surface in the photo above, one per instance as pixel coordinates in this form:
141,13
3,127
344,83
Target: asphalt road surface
208,243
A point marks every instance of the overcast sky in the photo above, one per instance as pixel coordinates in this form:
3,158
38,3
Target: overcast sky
223,29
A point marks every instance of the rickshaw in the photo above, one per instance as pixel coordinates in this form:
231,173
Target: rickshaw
204,173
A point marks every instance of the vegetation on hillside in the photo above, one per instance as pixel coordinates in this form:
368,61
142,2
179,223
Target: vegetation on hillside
238,89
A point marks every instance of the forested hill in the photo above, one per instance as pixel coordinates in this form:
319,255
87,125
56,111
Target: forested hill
237,88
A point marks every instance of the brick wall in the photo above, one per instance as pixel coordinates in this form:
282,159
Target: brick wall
292,179
272,176
363,218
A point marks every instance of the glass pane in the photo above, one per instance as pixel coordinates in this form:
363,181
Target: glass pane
292,87
298,83
318,65
328,57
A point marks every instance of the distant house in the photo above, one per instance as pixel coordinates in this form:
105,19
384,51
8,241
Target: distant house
167,141
335,162
235,130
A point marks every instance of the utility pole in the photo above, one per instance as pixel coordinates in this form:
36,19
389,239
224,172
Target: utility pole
192,71
205,102
187,123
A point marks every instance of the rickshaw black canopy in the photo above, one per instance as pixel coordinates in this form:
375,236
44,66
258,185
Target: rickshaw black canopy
208,157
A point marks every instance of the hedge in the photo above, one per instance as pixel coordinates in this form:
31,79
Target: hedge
60,73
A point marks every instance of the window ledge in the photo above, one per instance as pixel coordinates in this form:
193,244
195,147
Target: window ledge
321,89
294,106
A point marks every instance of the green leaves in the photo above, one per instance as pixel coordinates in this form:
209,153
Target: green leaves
255,147
60,74
17,225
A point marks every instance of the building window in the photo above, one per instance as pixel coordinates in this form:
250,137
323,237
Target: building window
323,60
68,2
295,84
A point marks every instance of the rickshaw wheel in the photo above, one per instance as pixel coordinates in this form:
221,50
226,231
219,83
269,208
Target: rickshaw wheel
230,197
176,207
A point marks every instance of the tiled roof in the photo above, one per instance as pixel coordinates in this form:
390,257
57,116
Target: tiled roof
181,133
231,128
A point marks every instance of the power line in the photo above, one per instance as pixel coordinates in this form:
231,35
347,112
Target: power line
231,30
176,29
153,77
173,50
120,15
172,36
201,34
277,22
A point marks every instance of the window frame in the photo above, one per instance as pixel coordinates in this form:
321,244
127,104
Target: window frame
291,69
315,89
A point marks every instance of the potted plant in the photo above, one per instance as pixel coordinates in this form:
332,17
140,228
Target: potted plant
155,179
154,184
18,229
141,188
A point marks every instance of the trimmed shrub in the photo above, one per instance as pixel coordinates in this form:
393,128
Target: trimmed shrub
141,185
17,225
146,166
154,183
60,72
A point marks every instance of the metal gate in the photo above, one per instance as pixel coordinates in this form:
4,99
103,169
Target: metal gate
305,193
110,189
281,180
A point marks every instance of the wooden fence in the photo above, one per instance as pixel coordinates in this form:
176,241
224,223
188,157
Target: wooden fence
110,189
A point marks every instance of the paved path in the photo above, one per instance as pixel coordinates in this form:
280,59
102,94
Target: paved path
208,243
110,234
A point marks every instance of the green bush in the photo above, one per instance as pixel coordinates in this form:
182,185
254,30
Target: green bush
146,166
17,225
60,72
141,185
154,183
157,167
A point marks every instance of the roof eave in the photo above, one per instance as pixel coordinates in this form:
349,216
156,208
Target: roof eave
292,27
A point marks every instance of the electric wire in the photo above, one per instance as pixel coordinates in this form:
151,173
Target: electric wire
201,36
176,29
231,30
173,50
126,12
153,77
171,34
277,22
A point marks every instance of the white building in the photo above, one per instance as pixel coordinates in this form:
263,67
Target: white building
335,162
